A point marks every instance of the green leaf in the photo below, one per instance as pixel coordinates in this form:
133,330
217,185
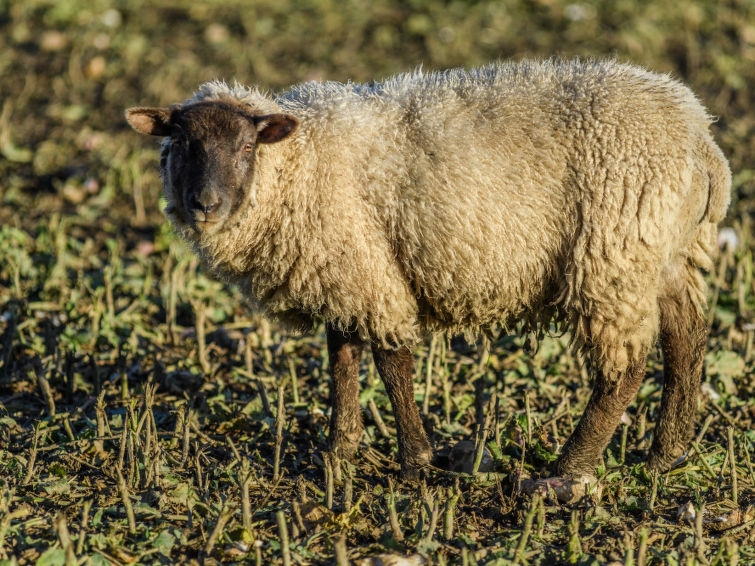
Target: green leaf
52,557
164,543
727,366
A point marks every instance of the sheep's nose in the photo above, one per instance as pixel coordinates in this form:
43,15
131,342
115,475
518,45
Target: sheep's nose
205,202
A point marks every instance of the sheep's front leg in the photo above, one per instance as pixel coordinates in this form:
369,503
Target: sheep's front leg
610,398
344,352
395,368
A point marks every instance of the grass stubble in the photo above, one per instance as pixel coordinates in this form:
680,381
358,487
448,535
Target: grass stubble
147,417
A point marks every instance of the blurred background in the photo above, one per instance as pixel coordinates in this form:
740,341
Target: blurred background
70,67
98,299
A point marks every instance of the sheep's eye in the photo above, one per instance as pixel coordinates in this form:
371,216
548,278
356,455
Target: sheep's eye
248,147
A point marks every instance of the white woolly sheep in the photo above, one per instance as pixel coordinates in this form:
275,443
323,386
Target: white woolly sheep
581,193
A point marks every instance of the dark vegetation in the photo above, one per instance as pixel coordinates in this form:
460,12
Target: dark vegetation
146,416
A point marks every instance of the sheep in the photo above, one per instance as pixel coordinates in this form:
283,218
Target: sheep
578,194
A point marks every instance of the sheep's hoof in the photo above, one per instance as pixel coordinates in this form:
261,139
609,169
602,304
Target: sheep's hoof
566,490
411,468
343,445
660,462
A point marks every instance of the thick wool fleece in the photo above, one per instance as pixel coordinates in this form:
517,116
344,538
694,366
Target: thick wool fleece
567,191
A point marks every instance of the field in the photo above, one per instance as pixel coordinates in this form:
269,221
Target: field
147,417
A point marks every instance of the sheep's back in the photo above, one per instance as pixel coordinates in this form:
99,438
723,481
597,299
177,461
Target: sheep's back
567,187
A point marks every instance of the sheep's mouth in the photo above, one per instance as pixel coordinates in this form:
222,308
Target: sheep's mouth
206,218
203,223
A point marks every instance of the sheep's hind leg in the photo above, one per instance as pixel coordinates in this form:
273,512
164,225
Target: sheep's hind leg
683,337
610,398
344,352
395,368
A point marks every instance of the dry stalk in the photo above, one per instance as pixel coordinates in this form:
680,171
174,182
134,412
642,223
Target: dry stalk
133,469
198,467
83,526
245,479
527,529
249,363
375,412
541,519
483,434
263,395
32,457
146,452
718,281
348,488
44,385
124,377
280,418
733,468
700,455
392,515
179,426
283,533
748,460
528,412
186,438
328,482
628,549
156,458
429,374
341,554
101,417
297,516
449,512
642,551
623,449
65,539
641,423
224,516
124,442
433,511
294,380
700,545
653,490
575,544
68,429
172,300
446,385
123,489
201,315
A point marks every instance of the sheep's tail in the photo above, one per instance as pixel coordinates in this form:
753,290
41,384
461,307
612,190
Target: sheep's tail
719,180
714,177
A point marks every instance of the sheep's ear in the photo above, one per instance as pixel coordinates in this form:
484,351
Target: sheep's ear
150,121
274,127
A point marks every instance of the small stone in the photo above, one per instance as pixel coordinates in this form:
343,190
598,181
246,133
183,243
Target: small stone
686,513
462,456
216,33
52,40
728,239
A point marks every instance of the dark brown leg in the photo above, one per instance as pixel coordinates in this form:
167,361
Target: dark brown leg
395,368
344,351
683,337
609,400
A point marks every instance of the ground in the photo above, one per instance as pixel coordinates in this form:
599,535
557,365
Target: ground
146,416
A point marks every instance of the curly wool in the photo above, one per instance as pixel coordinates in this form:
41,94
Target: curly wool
578,191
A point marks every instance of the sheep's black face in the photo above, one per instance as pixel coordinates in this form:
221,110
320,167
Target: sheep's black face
207,162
